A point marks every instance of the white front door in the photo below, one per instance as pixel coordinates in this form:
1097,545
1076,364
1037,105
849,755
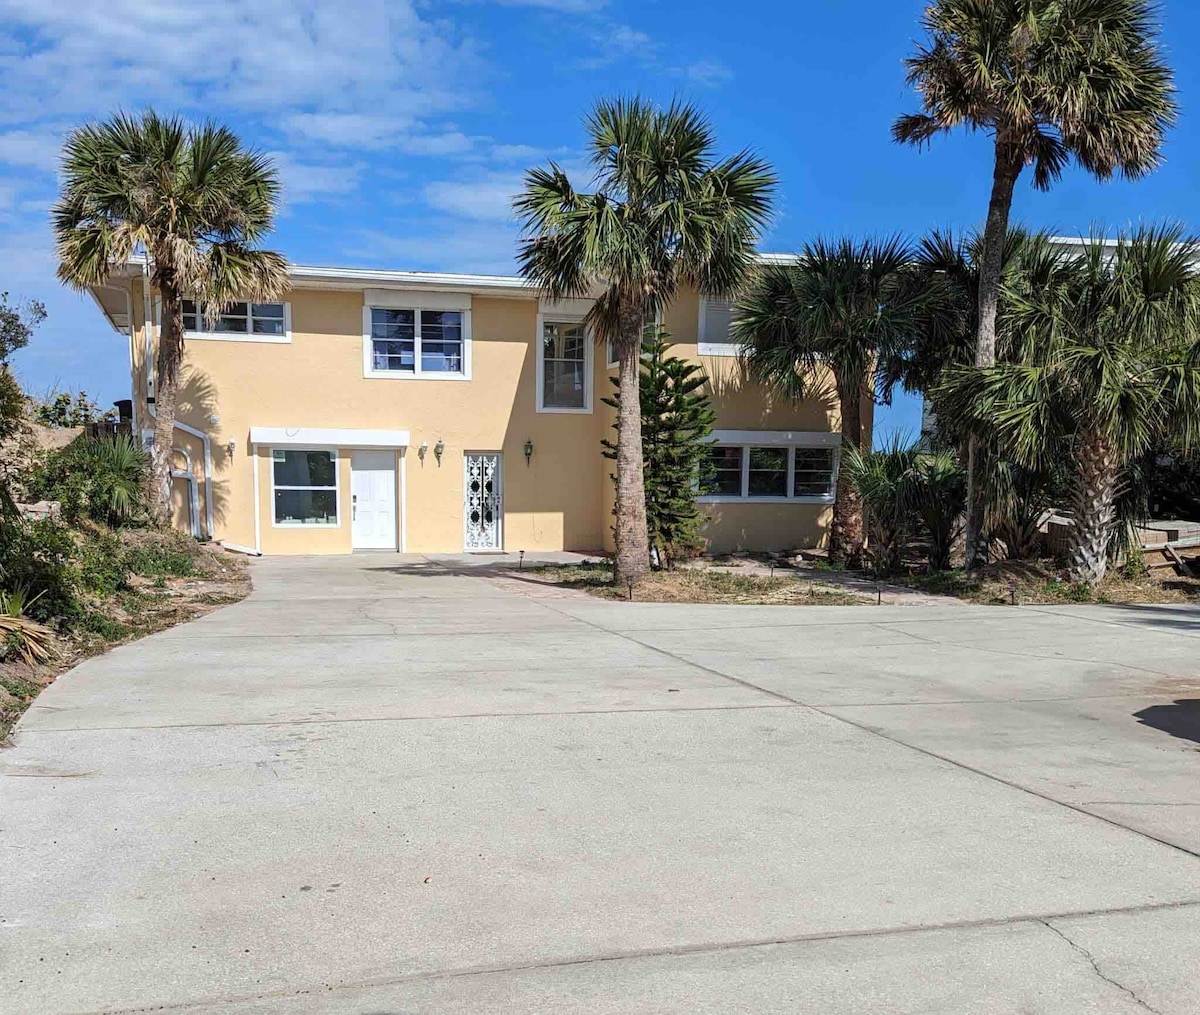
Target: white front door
373,500
482,503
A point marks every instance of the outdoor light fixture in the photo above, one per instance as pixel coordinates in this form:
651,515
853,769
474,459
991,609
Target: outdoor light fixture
231,447
528,451
438,450
423,450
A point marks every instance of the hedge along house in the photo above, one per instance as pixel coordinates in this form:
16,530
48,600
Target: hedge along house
437,413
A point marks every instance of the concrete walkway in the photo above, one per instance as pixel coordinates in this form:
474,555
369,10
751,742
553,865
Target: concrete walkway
384,786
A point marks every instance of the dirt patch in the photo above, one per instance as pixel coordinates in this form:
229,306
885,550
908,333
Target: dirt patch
696,585
1035,582
145,604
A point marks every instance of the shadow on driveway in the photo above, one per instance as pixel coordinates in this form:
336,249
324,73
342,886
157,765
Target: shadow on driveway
1180,719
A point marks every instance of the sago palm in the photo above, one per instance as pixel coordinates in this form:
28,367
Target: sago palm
846,310
1050,81
664,212
196,203
884,479
1103,364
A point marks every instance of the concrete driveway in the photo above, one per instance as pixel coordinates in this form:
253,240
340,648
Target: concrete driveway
380,787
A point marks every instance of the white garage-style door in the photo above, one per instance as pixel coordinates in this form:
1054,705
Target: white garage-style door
373,500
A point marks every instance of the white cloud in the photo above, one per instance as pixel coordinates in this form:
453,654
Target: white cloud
569,6
708,73
486,198
485,248
304,182
31,149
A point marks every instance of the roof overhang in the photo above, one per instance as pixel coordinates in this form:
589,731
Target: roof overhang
327,437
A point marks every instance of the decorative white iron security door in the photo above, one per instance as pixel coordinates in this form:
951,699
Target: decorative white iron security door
483,506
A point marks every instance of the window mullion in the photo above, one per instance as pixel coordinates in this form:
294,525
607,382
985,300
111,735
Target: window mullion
746,472
790,492
416,343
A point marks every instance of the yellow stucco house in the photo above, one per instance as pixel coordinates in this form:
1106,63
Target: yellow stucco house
438,412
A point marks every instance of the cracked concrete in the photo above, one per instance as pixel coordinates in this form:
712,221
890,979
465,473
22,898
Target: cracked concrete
383,785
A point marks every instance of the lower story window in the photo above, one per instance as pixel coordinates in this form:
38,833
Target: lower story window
814,473
305,487
775,473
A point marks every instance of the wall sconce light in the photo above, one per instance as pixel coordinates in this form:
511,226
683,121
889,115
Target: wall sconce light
528,451
231,447
423,450
439,449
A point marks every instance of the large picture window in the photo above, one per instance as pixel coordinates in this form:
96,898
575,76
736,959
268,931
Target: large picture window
564,367
769,472
251,322
304,487
417,343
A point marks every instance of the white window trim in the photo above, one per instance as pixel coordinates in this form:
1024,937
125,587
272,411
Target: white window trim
337,488
416,374
234,336
589,353
747,439
704,348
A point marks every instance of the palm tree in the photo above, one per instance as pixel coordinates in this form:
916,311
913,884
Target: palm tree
196,202
1050,80
884,479
845,308
664,212
1103,363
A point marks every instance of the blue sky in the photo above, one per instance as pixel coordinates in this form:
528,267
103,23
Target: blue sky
401,128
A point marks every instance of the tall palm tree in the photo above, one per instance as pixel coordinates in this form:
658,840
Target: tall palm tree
1049,80
196,202
1104,361
845,308
664,212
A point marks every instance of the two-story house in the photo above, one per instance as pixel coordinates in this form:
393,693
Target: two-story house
432,413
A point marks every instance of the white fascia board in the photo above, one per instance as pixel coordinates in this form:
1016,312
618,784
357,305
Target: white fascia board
417,299
327,437
784,438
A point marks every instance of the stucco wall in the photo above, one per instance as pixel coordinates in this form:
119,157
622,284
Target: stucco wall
561,499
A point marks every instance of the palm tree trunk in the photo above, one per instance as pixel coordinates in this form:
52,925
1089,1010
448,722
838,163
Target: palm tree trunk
846,533
633,544
166,390
1008,165
1093,507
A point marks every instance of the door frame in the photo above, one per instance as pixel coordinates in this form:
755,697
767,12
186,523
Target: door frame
397,497
499,547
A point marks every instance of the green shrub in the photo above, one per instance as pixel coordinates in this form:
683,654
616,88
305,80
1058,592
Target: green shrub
169,555
101,563
39,557
97,479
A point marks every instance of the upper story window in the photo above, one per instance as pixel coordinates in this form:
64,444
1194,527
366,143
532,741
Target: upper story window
716,318
239,322
773,470
417,342
564,367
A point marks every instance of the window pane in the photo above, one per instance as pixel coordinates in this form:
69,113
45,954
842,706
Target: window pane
235,310
189,306
394,340
189,322
268,326
268,310
441,341
564,384
725,474
305,468
237,325
563,341
814,472
768,472
306,507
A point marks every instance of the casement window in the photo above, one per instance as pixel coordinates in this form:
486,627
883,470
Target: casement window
716,319
564,366
417,342
304,487
239,322
771,468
